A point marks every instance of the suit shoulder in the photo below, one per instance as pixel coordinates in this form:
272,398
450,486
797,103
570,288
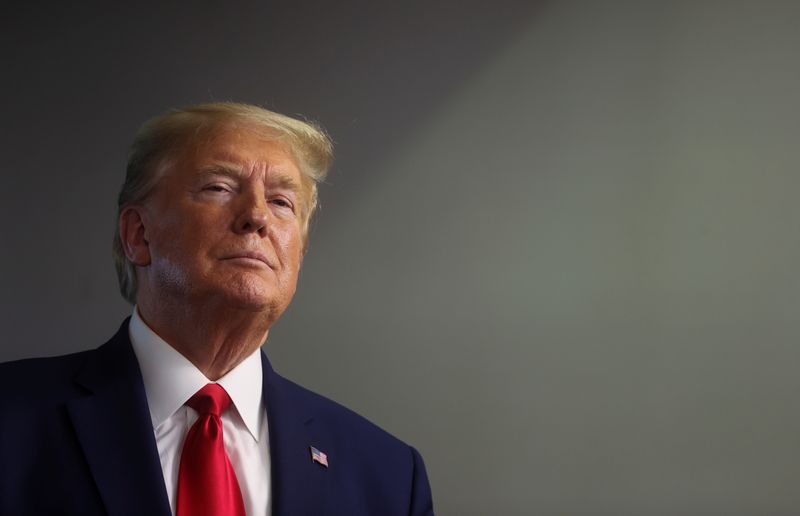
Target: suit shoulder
42,368
342,420
375,472
40,378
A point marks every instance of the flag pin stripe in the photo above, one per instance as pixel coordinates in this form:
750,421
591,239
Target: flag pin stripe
319,457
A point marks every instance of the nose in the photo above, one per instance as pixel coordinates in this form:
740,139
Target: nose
253,216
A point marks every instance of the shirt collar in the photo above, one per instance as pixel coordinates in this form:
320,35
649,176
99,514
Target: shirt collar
170,379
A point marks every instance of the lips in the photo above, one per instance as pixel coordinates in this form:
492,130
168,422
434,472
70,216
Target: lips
250,256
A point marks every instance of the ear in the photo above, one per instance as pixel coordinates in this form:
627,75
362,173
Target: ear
133,237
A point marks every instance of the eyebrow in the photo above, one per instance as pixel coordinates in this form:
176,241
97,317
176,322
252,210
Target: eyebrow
220,168
286,182
235,171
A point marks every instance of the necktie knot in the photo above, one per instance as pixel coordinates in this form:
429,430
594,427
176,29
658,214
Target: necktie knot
211,399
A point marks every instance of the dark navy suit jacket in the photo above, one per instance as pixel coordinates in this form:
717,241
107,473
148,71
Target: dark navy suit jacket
76,438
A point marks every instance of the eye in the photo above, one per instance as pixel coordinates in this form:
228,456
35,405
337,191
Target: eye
217,187
281,202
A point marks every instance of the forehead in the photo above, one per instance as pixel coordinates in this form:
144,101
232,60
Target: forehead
242,146
240,150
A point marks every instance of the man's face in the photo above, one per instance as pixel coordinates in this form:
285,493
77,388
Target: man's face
224,224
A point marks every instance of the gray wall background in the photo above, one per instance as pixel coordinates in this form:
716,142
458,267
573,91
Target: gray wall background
557,252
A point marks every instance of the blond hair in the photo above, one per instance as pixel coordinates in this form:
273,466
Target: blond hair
160,138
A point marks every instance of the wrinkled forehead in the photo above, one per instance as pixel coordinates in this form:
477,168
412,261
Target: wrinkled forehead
246,136
236,144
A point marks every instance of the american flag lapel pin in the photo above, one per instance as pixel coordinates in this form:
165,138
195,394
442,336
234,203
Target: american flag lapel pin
319,457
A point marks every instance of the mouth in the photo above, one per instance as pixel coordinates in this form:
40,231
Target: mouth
250,258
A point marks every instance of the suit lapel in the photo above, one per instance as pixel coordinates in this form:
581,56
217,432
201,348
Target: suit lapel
298,483
114,428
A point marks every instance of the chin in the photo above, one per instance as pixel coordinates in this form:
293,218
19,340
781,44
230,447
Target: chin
253,292
255,298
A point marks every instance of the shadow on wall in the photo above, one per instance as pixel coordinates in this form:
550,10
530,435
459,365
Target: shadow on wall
84,77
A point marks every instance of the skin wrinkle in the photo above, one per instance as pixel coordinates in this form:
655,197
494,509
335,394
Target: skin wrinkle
278,178
213,308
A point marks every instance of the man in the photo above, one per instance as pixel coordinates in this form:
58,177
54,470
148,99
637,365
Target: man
180,412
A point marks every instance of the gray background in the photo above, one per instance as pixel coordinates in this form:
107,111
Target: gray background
557,252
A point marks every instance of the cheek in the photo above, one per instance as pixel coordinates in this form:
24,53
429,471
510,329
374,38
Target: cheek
290,245
173,245
178,254
186,237
171,276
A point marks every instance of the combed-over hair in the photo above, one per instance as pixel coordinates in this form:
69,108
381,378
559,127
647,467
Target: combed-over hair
161,138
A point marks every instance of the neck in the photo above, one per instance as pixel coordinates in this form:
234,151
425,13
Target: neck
213,338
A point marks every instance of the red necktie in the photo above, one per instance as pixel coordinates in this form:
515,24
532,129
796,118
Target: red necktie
206,481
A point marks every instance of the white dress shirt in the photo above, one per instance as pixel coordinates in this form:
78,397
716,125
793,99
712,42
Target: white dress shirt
170,380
